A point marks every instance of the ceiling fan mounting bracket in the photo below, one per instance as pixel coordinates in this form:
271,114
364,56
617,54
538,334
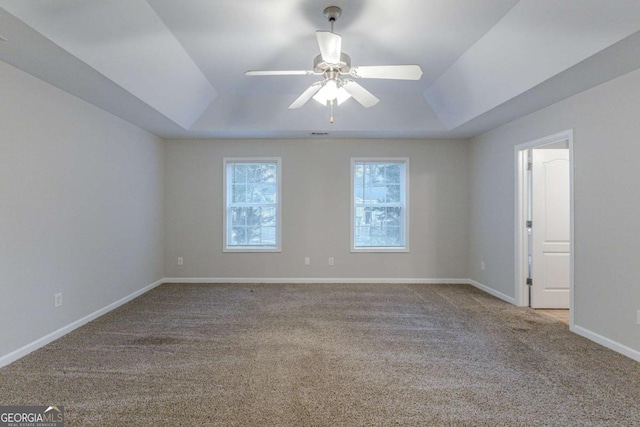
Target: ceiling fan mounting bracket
332,13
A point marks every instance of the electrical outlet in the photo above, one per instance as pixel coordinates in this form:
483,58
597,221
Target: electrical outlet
307,261
482,265
57,300
330,260
180,260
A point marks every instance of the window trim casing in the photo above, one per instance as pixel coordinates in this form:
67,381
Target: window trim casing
407,192
225,207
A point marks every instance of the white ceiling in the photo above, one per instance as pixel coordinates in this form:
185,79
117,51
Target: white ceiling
176,68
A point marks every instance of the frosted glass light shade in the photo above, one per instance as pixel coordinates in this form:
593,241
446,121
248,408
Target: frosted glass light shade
331,92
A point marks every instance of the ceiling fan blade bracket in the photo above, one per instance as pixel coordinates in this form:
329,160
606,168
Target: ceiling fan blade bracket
343,65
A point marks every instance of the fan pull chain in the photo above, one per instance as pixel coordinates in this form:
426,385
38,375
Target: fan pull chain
331,111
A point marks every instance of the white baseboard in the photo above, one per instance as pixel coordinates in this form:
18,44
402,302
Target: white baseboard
606,342
491,291
310,280
41,342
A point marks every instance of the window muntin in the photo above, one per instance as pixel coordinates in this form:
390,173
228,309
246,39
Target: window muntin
252,208
379,202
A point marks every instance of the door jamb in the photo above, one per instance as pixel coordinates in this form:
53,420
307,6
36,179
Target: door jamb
521,237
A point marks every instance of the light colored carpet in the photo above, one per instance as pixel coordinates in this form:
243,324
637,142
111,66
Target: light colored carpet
560,315
326,355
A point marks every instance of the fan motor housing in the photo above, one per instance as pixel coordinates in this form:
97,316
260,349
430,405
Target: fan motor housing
344,66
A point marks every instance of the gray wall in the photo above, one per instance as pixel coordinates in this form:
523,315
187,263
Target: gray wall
81,197
316,199
607,203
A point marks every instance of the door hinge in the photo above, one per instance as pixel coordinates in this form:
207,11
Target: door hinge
529,224
529,166
529,281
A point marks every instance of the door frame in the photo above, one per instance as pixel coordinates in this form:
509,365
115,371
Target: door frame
521,236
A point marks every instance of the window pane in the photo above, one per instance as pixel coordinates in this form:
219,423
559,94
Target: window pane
362,237
253,216
392,173
239,173
253,194
359,216
237,216
374,194
393,193
268,235
377,216
252,173
239,194
392,217
270,173
270,192
393,236
268,217
264,193
238,236
253,236
377,174
358,181
378,237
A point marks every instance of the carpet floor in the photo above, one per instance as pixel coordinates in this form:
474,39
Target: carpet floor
326,355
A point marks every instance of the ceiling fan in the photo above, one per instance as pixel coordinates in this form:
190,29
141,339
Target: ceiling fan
337,84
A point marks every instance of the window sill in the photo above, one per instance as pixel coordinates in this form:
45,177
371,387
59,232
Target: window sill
250,249
379,249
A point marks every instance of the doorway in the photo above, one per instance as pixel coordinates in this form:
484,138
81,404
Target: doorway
544,223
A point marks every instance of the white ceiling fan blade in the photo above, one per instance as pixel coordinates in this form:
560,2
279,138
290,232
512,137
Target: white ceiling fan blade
279,73
396,72
330,46
306,95
360,94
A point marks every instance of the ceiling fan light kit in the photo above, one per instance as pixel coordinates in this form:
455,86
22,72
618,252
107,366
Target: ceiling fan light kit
337,85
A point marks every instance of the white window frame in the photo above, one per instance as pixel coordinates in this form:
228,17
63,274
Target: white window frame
226,205
405,193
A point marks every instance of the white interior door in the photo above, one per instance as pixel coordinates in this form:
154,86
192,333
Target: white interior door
551,228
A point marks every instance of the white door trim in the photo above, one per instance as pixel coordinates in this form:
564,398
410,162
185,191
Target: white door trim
521,238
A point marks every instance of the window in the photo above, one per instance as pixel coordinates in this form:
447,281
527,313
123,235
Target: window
379,219
252,205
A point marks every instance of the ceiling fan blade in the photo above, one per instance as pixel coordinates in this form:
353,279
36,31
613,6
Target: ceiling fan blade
360,94
330,46
306,95
396,72
279,73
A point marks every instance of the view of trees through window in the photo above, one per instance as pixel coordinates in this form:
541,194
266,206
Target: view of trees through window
252,204
379,204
